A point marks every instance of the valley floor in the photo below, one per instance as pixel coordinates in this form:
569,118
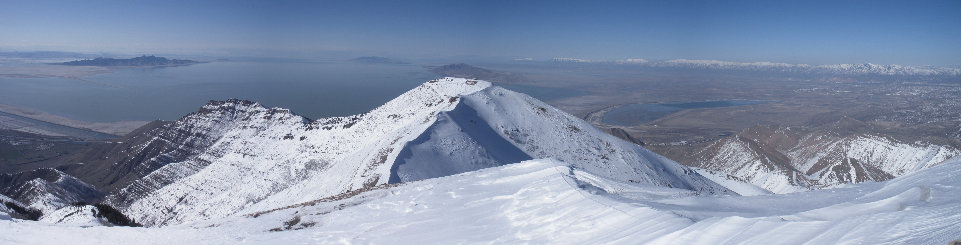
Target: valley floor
544,201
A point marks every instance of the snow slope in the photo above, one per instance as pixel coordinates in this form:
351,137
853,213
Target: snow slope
263,159
509,126
546,201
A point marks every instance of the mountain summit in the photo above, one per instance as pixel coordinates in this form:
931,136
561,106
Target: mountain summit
238,157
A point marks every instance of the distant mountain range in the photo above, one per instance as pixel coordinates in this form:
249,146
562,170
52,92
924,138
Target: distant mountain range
465,70
847,69
137,61
843,69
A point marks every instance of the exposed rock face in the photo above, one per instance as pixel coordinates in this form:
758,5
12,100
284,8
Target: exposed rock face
114,166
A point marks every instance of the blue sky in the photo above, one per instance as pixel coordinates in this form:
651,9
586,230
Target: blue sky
815,32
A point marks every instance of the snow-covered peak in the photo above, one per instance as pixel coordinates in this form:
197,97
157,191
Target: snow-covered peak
240,109
230,103
246,158
572,60
632,61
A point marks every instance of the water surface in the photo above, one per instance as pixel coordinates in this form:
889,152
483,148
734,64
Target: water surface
634,114
318,89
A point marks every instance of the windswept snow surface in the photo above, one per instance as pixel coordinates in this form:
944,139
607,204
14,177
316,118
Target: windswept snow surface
546,201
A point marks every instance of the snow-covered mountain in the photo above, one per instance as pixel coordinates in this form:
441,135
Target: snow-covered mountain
784,160
237,156
460,161
46,189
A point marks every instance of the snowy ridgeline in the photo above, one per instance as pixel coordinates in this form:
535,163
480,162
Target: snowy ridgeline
254,158
545,201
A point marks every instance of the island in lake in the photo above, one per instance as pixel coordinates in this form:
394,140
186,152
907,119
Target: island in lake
465,70
137,61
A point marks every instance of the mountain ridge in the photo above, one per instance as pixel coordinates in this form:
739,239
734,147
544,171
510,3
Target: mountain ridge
443,155
343,154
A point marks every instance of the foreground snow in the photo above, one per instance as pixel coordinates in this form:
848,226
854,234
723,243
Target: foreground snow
544,201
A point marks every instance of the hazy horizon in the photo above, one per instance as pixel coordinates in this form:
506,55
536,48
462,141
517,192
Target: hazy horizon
810,32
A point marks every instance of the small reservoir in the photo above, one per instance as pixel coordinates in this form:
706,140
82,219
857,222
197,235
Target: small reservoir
634,114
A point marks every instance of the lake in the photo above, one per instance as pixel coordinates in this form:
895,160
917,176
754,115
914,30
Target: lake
634,114
311,89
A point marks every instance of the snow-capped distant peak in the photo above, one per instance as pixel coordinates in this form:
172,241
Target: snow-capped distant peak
844,69
575,60
767,66
631,61
730,64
